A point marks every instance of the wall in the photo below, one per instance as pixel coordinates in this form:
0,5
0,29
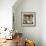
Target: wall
6,13
33,33
43,22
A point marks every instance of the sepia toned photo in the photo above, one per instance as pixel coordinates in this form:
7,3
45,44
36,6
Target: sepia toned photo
28,18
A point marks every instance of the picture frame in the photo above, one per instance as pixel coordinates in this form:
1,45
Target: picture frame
28,19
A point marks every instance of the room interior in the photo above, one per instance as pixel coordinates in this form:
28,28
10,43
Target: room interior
12,32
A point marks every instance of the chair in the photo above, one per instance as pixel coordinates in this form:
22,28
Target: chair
29,43
18,39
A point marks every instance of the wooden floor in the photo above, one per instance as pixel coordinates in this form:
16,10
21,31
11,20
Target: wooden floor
9,43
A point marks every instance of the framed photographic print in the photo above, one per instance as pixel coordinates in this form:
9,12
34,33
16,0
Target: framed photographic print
28,19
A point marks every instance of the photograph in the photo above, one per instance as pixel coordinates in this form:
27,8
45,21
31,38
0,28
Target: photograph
28,19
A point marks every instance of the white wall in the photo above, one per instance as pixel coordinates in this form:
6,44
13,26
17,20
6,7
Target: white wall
6,13
43,22
33,33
